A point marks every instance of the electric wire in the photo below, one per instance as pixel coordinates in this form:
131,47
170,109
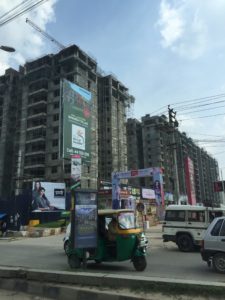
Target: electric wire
27,8
202,117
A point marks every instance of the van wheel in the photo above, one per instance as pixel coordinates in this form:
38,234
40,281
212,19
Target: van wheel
185,243
219,262
74,261
139,263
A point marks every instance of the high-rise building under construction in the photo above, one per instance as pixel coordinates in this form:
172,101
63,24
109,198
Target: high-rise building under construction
30,121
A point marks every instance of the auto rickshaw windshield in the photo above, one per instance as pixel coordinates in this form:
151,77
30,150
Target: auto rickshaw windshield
126,220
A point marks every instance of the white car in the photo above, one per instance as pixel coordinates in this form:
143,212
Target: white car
186,224
66,238
213,245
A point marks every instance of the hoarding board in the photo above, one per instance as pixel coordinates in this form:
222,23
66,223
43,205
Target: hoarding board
85,221
218,186
48,196
75,171
75,121
148,193
190,180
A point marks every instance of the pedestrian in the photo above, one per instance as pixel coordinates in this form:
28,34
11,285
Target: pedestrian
17,221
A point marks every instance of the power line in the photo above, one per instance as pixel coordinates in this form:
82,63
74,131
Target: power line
192,102
219,153
202,99
203,110
203,117
206,134
27,7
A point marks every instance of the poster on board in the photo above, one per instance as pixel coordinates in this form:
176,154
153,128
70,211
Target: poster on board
85,221
48,196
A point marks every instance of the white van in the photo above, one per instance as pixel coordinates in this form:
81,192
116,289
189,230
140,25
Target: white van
186,224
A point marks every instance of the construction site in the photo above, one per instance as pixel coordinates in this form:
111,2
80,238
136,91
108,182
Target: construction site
30,126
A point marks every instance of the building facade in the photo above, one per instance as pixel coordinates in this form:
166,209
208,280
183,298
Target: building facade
30,122
159,143
113,101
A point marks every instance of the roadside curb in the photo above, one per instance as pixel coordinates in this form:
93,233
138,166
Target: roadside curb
84,285
34,232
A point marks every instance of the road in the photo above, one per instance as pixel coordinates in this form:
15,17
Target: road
164,259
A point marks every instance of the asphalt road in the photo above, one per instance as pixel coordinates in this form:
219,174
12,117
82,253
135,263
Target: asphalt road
164,259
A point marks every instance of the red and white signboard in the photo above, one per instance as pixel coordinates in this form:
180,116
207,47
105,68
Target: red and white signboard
190,181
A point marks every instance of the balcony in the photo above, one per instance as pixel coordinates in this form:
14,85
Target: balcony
39,90
37,102
37,115
34,165
35,139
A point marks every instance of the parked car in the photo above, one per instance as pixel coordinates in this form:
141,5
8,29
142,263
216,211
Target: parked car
213,245
185,225
66,238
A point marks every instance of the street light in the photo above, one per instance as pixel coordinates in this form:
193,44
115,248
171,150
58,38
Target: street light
7,49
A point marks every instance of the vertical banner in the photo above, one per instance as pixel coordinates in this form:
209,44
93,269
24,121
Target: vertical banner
75,121
75,171
85,220
115,191
159,194
158,188
190,181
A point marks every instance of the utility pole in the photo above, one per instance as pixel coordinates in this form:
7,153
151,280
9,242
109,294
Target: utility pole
222,186
174,124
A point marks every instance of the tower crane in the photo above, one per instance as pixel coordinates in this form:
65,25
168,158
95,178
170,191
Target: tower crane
48,36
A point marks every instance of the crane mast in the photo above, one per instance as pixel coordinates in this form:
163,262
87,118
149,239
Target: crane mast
48,36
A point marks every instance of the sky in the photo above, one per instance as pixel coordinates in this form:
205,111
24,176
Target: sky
167,52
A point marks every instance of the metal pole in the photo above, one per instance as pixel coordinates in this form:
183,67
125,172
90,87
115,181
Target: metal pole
174,124
177,188
223,196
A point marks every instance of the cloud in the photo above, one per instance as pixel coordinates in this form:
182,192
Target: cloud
184,26
28,43
171,24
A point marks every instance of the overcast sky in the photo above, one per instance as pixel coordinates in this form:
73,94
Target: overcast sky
164,51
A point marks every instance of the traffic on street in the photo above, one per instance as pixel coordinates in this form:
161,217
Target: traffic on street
164,260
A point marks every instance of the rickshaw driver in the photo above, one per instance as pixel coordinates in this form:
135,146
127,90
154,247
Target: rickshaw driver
112,229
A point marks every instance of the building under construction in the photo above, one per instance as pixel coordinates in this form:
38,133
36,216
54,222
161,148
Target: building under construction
152,140
30,121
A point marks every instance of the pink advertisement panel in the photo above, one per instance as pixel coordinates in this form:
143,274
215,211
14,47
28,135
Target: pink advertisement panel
190,181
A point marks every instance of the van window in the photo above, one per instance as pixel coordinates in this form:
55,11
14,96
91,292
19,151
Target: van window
175,215
222,231
196,216
216,229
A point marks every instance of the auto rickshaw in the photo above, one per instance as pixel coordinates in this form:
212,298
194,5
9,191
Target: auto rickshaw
129,243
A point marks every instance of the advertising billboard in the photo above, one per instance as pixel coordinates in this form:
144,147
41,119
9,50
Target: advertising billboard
48,196
75,170
75,121
218,186
148,193
190,181
86,212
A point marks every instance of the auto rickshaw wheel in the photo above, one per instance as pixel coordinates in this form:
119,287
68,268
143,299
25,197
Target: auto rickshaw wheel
74,261
98,261
66,246
139,263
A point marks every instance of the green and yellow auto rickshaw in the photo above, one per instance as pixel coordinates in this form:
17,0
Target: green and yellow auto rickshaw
118,239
